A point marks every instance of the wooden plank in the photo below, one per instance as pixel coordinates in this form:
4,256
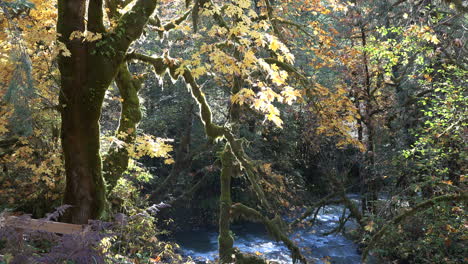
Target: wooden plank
42,225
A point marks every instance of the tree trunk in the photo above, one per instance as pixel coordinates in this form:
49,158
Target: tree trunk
225,239
85,76
369,184
80,101
229,169
85,188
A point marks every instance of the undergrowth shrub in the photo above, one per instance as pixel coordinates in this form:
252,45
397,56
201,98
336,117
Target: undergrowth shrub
437,235
130,237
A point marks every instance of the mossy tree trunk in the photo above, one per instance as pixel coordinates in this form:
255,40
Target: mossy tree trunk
230,169
85,76
116,160
225,239
273,226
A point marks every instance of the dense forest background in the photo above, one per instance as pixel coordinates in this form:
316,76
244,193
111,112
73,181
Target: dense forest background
147,118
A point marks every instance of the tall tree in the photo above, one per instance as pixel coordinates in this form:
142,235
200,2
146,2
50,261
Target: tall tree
85,76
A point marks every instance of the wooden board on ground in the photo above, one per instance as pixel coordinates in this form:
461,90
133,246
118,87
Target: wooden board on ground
42,225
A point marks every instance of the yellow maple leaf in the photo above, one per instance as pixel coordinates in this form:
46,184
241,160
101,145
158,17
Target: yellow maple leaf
370,226
169,161
275,119
274,44
3,129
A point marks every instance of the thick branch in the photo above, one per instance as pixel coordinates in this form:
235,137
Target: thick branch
341,224
273,227
7,145
212,130
116,161
171,25
290,69
113,5
353,208
131,24
272,20
225,239
298,26
95,15
70,18
195,187
324,201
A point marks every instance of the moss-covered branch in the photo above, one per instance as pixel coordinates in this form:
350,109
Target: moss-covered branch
7,145
314,207
353,208
130,25
463,197
195,187
212,130
155,21
113,5
271,17
341,224
274,227
294,24
116,161
340,192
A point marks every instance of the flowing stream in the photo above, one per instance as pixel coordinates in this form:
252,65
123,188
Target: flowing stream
202,244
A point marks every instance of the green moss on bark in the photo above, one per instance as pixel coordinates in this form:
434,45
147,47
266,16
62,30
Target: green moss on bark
116,161
225,239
